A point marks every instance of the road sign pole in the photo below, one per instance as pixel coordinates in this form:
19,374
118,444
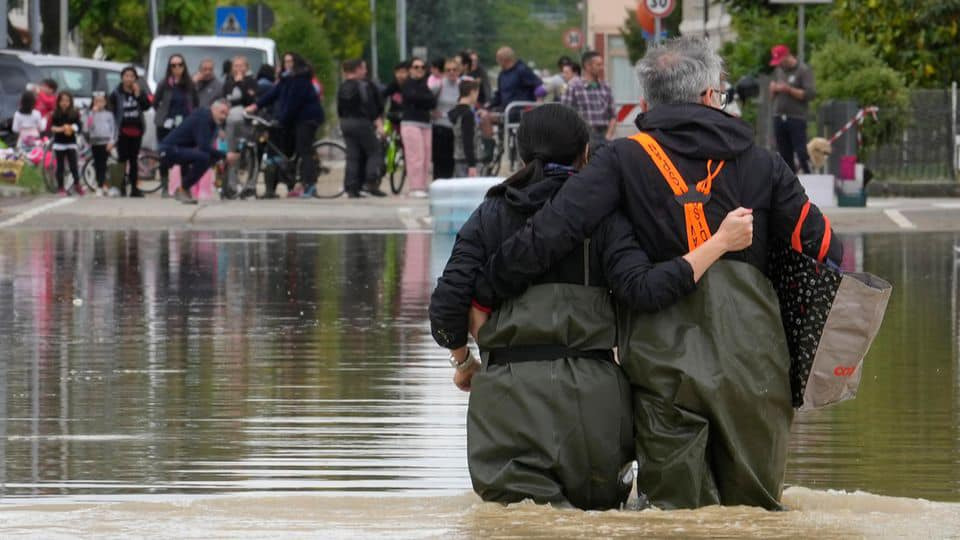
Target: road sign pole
801,14
656,30
374,60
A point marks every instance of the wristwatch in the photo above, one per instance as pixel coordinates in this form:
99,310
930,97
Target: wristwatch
466,363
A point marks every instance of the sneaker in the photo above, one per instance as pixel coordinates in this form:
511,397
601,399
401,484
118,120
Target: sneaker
248,193
296,191
113,192
184,197
227,194
418,194
375,191
61,192
309,193
78,190
99,192
135,192
353,195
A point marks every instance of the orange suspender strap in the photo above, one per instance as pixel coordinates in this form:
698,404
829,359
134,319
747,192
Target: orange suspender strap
698,231
825,243
795,239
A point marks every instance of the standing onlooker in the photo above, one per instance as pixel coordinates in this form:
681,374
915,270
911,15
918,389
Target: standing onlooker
516,82
208,85
65,125
240,90
46,99
593,99
360,108
129,101
393,95
102,128
447,97
791,89
176,98
266,78
436,74
479,74
27,122
300,113
418,101
570,74
466,136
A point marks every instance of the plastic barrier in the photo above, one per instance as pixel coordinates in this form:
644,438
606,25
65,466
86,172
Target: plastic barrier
453,200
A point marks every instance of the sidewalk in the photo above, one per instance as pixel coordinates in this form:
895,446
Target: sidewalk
371,214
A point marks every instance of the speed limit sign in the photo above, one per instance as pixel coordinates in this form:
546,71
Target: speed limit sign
660,8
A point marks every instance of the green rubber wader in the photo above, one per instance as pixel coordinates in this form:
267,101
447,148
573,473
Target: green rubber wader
711,393
555,431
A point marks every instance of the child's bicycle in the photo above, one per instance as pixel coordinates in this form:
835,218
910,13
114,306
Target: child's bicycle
393,156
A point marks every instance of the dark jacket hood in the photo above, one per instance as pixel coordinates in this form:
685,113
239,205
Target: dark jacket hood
531,197
697,131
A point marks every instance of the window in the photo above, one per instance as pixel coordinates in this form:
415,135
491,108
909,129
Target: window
76,80
109,80
13,80
194,54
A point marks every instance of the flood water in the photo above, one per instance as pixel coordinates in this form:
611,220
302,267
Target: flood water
195,384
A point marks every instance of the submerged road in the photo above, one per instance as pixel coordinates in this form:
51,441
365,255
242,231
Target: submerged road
369,214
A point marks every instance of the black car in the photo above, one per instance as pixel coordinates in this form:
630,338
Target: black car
15,74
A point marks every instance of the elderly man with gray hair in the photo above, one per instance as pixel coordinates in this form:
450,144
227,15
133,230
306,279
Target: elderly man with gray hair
710,374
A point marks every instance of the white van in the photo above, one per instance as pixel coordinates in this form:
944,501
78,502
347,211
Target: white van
258,51
194,49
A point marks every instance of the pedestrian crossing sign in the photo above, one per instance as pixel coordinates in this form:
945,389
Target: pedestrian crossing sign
231,21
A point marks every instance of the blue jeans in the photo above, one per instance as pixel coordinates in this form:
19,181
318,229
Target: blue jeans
791,135
193,163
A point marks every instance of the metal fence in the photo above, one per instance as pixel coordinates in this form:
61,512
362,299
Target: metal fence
927,148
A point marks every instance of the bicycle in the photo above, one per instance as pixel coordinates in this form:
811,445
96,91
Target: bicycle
505,138
393,157
259,152
148,163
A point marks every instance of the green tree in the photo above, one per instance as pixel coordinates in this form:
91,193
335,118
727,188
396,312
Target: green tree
849,70
919,39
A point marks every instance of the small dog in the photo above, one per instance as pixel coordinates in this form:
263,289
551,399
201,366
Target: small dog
818,148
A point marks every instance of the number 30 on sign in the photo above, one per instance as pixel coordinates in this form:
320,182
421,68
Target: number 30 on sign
660,8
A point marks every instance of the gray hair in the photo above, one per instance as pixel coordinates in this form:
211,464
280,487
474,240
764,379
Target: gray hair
220,102
678,71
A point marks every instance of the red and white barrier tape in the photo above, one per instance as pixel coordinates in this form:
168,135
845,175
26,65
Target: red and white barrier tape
857,119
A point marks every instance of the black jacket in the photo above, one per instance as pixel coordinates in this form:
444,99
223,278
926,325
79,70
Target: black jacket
418,100
296,100
623,176
128,108
197,131
616,260
246,93
359,99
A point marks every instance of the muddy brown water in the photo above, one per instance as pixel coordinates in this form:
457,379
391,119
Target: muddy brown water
195,384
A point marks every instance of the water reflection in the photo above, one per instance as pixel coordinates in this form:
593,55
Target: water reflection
206,362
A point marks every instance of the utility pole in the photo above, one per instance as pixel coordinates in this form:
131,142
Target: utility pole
3,27
64,12
154,16
402,28
374,60
34,26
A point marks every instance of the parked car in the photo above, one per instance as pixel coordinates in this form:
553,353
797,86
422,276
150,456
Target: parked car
15,74
80,76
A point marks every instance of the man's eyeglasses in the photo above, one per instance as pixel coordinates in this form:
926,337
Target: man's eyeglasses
723,97
452,70
417,66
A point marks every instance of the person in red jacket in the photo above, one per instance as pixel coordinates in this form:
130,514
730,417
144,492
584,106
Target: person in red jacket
46,99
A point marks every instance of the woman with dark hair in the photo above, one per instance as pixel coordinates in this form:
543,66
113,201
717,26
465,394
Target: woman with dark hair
240,89
27,122
415,131
300,113
129,101
550,415
175,100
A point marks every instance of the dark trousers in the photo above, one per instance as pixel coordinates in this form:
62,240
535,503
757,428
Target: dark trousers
442,152
598,138
100,162
300,140
128,153
193,163
164,170
363,155
71,157
791,135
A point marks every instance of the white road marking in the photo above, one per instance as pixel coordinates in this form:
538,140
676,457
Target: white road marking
949,205
897,217
24,216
